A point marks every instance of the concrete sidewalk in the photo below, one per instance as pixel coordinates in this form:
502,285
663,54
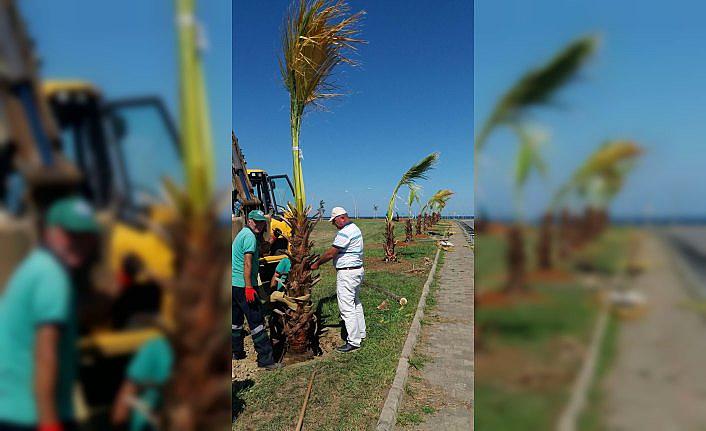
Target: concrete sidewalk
658,379
448,340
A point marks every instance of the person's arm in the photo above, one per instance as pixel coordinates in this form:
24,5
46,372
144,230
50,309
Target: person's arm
121,408
328,255
275,279
46,375
247,270
247,276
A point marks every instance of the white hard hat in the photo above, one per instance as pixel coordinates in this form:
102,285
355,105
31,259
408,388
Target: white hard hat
337,211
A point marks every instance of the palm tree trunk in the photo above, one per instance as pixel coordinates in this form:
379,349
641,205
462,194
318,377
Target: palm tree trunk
389,244
516,260
300,324
544,245
565,234
299,192
195,397
408,230
419,224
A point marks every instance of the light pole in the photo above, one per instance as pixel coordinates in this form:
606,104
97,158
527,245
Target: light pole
355,205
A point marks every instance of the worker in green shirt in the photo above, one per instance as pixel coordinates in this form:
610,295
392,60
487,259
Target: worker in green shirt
140,396
38,324
281,274
245,264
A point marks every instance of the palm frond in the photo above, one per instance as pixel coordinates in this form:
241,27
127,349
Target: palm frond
439,199
528,157
417,172
413,196
318,36
538,86
610,163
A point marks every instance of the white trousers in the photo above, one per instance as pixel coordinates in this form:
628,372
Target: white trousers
348,284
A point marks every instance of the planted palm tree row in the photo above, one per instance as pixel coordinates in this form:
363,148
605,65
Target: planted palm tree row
594,184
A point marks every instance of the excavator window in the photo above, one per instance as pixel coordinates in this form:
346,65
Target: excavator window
282,192
146,147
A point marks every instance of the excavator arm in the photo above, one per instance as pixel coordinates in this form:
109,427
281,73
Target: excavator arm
29,138
244,198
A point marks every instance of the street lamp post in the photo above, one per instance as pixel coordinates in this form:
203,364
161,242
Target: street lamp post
355,205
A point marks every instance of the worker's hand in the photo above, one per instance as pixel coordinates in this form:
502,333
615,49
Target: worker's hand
50,427
315,266
249,294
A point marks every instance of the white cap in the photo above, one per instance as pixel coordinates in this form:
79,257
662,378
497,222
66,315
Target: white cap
337,211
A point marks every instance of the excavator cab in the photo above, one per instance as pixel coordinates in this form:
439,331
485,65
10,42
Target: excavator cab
124,148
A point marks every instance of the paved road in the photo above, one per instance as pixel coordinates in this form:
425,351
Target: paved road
449,340
689,242
658,381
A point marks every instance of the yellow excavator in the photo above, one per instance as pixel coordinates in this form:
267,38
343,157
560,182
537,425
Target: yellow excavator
256,189
64,137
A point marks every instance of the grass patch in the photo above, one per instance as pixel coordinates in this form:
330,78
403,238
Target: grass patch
348,390
418,397
409,418
529,351
607,256
592,417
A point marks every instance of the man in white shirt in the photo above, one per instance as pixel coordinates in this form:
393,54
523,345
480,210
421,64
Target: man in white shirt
347,255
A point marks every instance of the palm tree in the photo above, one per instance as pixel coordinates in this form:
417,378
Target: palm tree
439,200
411,198
415,173
318,36
598,180
195,397
535,88
528,160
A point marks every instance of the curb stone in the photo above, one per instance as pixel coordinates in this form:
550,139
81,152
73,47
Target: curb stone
388,415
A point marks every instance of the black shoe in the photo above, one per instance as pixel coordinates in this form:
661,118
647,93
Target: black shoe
272,366
237,356
347,348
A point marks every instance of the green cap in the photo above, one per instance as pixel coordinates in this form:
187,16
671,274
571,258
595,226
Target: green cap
257,215
73,214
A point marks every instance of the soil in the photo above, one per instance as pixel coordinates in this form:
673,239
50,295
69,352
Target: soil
247,368
549,276
502,363
496,229
503,299
400,266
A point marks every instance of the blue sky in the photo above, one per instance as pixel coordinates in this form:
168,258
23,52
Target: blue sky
412,94
646,83
129,48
